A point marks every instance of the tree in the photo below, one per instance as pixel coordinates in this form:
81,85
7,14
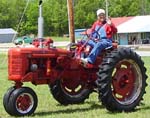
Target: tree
56,16
120,8
85,12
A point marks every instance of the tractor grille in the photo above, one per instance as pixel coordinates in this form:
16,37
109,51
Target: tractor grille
15,65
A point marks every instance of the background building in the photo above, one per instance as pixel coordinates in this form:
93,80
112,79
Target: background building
133,30
6,35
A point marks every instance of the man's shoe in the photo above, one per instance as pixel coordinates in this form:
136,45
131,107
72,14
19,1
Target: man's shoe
85,63
84,60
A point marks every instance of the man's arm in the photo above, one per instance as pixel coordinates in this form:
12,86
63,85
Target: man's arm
114,29
93,26
112,26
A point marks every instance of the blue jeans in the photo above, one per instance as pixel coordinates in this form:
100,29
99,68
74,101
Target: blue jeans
97,48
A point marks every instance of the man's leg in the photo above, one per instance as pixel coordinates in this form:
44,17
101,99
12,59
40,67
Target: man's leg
104,43
91,43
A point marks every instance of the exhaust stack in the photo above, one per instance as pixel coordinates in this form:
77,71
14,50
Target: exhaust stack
40,23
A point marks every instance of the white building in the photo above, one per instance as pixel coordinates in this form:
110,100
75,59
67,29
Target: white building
133,30
7,35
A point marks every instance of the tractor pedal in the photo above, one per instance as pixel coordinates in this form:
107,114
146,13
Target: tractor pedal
88,65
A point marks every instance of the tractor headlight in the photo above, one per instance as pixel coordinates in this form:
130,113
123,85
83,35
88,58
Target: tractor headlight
34,67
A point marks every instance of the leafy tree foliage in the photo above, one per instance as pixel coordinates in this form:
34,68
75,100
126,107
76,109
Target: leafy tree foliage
56,17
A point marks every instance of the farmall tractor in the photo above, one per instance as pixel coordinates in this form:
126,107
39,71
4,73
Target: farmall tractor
118,76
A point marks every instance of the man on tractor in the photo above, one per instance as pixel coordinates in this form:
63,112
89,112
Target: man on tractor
102,31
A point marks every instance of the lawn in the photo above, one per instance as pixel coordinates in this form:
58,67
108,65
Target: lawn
49,108
60,38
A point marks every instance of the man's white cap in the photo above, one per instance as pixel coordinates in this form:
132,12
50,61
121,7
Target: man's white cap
100,11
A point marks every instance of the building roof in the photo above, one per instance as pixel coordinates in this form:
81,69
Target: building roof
133,24
7,31
120,20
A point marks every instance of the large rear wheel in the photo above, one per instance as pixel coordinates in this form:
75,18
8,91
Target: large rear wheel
121,80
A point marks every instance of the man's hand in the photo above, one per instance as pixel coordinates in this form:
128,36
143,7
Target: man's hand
109,21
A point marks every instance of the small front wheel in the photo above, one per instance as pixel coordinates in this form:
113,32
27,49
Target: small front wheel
23,101
6,99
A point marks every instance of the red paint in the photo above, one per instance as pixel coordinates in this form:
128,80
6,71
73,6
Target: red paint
23,102
120,20
52,64
123,81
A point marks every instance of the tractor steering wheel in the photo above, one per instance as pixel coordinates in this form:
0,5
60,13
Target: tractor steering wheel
95,33
89,33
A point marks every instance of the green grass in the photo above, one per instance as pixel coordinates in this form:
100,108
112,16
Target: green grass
143,49
49,108
60,38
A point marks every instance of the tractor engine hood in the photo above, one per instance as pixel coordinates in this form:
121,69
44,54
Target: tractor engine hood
40,52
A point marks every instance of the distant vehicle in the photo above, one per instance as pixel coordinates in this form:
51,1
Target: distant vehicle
23,39
145,41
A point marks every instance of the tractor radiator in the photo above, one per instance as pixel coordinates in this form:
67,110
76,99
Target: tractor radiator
15,65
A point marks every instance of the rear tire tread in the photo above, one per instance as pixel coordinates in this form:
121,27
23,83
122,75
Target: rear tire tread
104,81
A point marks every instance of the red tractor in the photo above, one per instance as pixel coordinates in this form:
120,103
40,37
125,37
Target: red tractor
118,76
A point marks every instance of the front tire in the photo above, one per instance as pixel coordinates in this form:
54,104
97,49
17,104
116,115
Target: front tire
121,80
23,101
6,100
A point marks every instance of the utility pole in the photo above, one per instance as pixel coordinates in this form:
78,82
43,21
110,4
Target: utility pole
143,7
106,8
71,20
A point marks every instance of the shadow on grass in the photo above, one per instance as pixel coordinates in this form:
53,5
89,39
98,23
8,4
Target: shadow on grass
92,106
142,106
